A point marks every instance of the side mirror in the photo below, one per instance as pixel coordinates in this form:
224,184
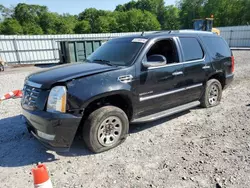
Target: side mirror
155,61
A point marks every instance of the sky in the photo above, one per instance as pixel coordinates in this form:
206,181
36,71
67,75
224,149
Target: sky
73,6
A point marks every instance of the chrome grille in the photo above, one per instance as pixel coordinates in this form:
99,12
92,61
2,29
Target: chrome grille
30,95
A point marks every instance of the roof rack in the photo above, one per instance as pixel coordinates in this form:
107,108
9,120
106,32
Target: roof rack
182,31
194,31
163,31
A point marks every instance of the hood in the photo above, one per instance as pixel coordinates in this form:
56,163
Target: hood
67,72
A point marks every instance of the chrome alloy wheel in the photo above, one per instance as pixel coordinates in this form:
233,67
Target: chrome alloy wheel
213,94
109,131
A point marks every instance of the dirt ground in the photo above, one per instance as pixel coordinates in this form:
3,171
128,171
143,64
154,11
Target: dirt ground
198,148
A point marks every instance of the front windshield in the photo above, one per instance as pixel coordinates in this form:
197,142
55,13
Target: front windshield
120,52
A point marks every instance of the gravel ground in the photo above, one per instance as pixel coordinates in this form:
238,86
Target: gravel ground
198,148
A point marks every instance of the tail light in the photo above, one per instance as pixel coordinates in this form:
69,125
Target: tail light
233,60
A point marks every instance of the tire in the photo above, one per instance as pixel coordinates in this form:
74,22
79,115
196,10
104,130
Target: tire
107,122
1,67
212,94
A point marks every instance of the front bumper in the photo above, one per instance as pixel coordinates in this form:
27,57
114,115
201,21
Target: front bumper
229,80
55,131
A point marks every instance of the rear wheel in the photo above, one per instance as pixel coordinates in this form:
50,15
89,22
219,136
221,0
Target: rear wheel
105,128
212,95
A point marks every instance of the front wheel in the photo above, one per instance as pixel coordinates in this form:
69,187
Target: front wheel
212,95
1,67
105,128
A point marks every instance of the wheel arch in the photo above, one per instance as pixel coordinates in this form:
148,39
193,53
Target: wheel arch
220,76
121,99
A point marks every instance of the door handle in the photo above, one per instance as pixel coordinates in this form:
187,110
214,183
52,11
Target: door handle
177,73
206,67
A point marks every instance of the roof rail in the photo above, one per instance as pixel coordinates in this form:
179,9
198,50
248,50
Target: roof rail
163,31
182,31
194,31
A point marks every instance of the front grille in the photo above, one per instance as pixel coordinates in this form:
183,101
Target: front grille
30,95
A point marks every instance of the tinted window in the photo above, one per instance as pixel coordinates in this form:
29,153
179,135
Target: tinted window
191,48
165,48
217,47
118,51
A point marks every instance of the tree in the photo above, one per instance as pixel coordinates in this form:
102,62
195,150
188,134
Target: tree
1,12
6,12
136,20
228,13
32,29
127,6
190,10
48,21
136,15
156,7
62,27
171,18
91,15
28,13
246,15
68,21
82,27
120,8
11,26
161,11
106,24
121,19
149,22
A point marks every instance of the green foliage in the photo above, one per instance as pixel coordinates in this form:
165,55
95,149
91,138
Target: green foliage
6,12
127,6
48,20
82,27
156,7
70,21
137,20
136,15
28,13
91,15
190,10
106,24
171,18
65,24
11,27
32,29
228,13
130,21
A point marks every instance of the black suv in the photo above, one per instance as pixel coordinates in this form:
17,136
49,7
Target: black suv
127,80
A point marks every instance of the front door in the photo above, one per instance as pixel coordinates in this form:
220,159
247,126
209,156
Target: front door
159,88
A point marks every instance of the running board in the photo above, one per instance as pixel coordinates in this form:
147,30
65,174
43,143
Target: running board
168,112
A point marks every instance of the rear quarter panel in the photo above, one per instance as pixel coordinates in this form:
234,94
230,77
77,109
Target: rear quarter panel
219,53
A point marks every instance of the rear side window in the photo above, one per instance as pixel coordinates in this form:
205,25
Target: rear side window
217,47
191,48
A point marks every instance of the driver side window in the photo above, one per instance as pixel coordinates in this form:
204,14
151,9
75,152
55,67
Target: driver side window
165,48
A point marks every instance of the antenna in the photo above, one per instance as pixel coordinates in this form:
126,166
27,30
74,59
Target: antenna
142,34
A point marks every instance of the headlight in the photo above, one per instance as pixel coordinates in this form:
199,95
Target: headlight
57,99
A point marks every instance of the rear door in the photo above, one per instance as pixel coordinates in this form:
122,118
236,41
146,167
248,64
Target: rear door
195,67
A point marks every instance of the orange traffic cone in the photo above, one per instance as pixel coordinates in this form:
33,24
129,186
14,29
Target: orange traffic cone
41,177
12,94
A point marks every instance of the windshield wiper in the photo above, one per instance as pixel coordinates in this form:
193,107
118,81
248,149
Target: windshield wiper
103,61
